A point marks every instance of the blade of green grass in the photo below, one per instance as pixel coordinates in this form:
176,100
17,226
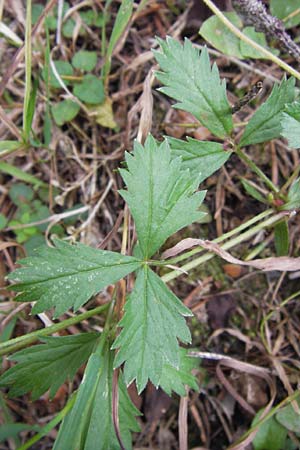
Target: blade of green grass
122,20
27,96
21,175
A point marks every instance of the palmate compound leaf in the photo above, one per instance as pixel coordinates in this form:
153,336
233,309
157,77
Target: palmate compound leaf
89,425
200,157
68,275
151,326
47,366
189,78
264,125
160,195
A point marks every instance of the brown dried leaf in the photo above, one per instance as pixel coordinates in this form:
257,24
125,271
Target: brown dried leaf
281,263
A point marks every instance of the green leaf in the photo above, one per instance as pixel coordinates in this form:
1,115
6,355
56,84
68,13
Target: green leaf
160,195
30,110
250,189
283,9
64,69
290,124
121,22
20,193
9,145
21,174
175,379
293,198
271,434
68,275
3,221
281,230
200,157
151,326
91,90
250,52
265,123
47,366
219,36
89,424
36,11
84,60
11,430
289,418
189,78
64,111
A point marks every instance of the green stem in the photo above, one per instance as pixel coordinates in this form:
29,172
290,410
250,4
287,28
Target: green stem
26,125
22,341
291,179
249,41
229,244
52,424
256,169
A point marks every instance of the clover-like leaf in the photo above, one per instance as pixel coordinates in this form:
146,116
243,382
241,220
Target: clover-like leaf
152,324
160,195
189,78
68,275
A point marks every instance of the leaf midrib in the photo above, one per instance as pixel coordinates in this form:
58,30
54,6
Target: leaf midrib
74,273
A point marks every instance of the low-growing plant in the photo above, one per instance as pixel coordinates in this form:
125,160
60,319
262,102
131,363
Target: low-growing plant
148,338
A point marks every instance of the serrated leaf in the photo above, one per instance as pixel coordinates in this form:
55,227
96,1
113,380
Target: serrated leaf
173,379
290,124
282,9
68,276
89,424
160,195
271,434
151,326
265,123
200,157
64,111
293,197
281,238
190,79
47,366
